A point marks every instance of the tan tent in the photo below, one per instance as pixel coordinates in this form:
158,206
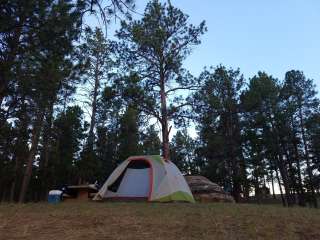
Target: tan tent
149,178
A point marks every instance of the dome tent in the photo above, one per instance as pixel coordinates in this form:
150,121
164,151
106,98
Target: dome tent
149,178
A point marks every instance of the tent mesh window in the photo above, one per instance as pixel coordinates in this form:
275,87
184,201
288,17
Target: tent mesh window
137,164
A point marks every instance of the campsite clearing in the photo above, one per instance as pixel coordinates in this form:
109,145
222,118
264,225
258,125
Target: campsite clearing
156,221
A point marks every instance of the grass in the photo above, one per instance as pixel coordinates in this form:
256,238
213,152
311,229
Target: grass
156,221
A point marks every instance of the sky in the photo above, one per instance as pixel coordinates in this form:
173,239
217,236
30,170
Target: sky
271,35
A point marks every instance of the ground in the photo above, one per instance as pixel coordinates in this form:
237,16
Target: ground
156,221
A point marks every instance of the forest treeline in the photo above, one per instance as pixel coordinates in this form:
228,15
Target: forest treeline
75,103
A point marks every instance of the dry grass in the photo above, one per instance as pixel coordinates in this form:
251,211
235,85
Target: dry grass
156,221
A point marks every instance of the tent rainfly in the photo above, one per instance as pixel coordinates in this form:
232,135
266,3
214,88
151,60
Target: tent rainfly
149,178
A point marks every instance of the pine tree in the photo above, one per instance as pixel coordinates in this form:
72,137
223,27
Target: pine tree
47,65
218,118
97,53
151,143
300,95
129,134
153,49
69,132
262,121
183,152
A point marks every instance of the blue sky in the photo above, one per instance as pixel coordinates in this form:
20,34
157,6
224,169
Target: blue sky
271,35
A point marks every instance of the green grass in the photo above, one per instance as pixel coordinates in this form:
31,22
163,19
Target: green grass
156,221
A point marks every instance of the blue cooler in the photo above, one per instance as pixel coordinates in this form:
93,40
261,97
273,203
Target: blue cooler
54,196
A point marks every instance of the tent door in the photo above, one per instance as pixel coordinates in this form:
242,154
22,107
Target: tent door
135,183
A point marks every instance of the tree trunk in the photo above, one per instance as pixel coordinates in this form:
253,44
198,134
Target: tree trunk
165,139
280,188
34,145
164,120
272,184
46,150
257,192
94,107
280,164
284,176
12,190
20,152
306,152
233,143
14,182
291,174
301,194
300,190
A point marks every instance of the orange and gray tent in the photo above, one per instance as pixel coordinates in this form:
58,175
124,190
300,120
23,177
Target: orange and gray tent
146,177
